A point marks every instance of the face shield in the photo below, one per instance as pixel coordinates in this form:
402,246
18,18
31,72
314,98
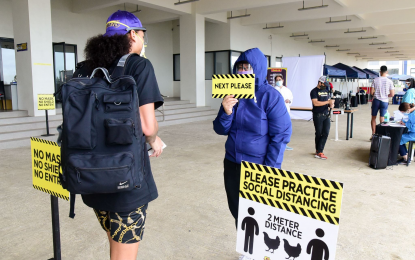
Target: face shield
143,39
244,68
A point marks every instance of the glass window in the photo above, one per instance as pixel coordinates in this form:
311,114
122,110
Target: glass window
234,57
278,62
176,67
9,65
268,60
209,65
222,62
392,62
413,71
65,59
7,60
373,63
393,71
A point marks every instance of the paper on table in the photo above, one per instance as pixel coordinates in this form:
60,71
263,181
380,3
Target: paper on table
151,151
396,125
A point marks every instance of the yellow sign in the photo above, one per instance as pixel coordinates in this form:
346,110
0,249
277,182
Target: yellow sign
21,47
301,194
45,102
239,85
46,160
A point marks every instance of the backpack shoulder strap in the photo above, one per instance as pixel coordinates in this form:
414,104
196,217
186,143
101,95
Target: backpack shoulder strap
120,69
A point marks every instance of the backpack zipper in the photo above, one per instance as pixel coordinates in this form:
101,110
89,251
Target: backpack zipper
96,101
78,173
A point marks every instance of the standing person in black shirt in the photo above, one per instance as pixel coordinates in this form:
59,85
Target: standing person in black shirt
320,97
123,215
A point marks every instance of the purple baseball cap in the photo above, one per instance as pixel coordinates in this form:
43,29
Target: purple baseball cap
122,22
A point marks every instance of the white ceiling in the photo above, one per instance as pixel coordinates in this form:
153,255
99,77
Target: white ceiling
391,22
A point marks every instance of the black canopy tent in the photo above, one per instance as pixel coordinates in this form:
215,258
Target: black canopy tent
333,72
351,73
368,74
374,73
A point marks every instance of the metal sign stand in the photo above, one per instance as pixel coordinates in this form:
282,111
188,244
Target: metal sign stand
337,113
55,228
47,125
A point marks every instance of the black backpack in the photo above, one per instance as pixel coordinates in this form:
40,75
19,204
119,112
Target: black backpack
103,145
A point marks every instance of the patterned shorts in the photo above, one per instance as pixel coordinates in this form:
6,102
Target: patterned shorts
124,227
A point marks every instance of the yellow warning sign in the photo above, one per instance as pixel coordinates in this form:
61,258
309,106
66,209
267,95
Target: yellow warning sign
46,160
305,195
45,102
239,85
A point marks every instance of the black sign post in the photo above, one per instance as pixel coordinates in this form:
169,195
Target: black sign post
47,125
55,228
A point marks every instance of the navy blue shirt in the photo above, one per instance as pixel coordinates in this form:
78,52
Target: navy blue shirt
320,95
148,92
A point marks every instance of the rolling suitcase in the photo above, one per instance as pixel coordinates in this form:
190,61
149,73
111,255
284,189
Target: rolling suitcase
379,151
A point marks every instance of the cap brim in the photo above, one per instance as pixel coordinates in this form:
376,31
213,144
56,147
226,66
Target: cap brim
137,28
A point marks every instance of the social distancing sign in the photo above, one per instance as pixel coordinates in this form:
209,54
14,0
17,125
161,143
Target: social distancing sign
239,85
46,166
287,214
45,102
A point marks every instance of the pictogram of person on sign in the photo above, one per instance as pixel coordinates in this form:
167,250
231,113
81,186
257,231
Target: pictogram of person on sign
252,229
317,247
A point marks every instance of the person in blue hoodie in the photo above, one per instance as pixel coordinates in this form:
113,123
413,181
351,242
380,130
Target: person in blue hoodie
258,129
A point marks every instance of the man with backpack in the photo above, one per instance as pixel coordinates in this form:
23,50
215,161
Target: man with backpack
107,122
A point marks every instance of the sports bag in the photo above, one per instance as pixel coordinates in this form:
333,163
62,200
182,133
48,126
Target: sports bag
102,143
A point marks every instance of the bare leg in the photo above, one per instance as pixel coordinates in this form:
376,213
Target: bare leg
119,251
373,123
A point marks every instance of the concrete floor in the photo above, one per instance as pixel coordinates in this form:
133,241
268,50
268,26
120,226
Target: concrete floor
190,219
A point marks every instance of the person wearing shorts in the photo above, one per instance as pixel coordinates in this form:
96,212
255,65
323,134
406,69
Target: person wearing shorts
123,215
123,227
382,89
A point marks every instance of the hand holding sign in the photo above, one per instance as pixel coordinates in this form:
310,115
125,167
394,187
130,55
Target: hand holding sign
228,103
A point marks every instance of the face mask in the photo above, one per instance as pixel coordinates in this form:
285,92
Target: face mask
246,72
279,83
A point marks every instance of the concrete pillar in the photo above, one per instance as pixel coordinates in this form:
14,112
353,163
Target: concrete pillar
192,58
32,24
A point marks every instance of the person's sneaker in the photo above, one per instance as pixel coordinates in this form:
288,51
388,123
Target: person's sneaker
321,156
287,148
242,257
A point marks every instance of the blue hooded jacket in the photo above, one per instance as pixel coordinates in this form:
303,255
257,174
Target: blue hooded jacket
258,131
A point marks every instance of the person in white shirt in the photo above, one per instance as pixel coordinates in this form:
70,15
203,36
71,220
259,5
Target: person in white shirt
286,94
382,89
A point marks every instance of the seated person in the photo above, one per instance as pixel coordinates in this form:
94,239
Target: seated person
409,96
410,136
